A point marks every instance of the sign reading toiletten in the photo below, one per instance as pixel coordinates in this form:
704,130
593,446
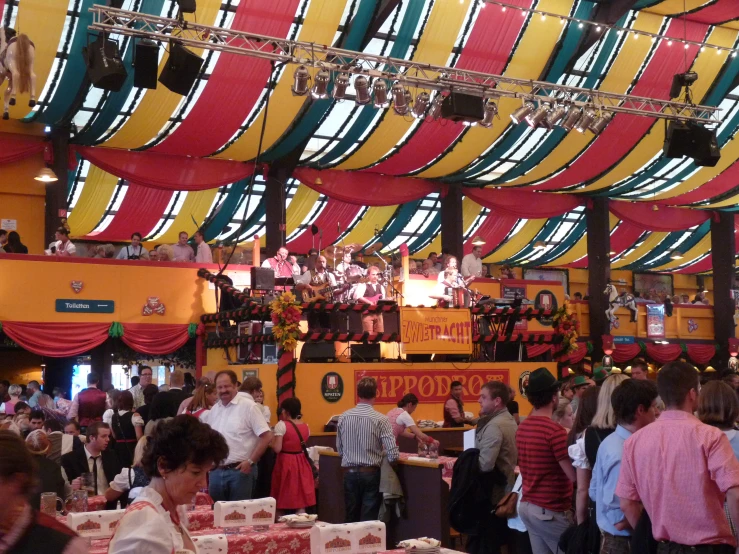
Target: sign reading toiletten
77,306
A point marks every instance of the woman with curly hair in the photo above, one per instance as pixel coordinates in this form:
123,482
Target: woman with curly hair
177,459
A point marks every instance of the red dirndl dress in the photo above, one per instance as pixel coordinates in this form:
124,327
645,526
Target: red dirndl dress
292,478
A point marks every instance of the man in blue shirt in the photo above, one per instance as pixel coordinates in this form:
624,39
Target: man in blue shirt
633,405
33,391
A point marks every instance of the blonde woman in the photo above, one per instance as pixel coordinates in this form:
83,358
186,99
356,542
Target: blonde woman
562,414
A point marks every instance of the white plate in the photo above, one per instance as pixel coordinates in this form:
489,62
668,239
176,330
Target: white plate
300,524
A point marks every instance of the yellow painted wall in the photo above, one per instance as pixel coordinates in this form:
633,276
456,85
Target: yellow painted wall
24,199
19,366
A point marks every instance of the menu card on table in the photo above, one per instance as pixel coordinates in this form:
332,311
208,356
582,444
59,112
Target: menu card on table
245,512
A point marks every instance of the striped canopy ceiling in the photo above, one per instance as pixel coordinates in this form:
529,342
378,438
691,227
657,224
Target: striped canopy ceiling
222,118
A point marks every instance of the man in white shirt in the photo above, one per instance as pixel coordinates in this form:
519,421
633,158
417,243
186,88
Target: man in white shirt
204,255
134,251
320,278
279,263
247,434
472,264
145,377
183,251
62,246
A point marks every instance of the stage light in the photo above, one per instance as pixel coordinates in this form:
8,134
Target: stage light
572,117
400,101
676,255
491,110
538,117
436,106
301,77
587,118
521,113
380,92
478,241
186,6
46,175
320,85
419,108
600,122
361,88
341,83
555,115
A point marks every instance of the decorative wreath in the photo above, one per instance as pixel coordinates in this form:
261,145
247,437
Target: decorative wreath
286,312
568,327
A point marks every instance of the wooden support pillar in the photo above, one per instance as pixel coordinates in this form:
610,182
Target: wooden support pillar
274,196
599,271
452,233
723,253
56,192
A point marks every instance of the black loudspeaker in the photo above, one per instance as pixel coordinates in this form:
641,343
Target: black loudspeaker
366,353
678,139
181,70
318,352
186,6
462,107
104,65
707,151
146,64
693,141
262,278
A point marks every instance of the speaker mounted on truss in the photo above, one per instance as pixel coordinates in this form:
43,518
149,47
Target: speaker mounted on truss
105,67
181,70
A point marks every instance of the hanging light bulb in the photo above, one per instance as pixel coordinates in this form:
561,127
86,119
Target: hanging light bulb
491,110
341,83
400,105
301,77
540,245
520,114
320,85
361,88
419,108
436,106
380,92
555,115
597,126
572,117
676,255
587,118
46,175
539,116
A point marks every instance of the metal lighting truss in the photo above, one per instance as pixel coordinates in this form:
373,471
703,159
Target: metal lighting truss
408,73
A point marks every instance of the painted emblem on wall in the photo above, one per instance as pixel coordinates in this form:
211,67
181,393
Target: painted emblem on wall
332,387
523,383
692,325
545,300
153,306
77,286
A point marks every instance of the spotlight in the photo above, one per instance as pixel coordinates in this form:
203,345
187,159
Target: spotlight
400,101
572,117
46,175
380,91
301,78
681,80
587,118
436,106
555,115
361,88
538,117
419,108
340,85
320,85
186,6
521,113
600,122
491,110
478,240
676,255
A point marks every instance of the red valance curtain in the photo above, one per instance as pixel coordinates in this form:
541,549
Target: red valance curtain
579,354
625,352
533,350
56,340
164,171
664,353
156,339
523,203
366,189
17,147
701,353
644,216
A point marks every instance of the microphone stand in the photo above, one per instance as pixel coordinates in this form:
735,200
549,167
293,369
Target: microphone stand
388,274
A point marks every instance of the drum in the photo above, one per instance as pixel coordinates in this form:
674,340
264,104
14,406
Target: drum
354,274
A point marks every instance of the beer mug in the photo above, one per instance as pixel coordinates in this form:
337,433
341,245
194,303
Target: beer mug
423,450
88,483
433,449
50,503
78,501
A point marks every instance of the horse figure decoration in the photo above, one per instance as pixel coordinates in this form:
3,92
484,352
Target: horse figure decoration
17,54
616,300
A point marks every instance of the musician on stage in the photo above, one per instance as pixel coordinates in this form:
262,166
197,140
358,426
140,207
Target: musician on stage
279,263
369,293
472,263
343,266
450,278
316,278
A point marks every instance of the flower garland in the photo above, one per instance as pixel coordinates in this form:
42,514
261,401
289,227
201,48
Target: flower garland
567,326
286,312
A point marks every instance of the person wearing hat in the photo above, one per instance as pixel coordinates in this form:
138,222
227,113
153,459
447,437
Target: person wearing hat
546,470
579,384
599,375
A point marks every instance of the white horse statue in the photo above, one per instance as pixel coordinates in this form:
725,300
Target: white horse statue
17,54
616,300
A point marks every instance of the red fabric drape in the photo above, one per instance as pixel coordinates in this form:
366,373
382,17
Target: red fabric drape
664,353
234,86
719,12
140,211
643,216
701,353
56,340
525,204
625,236
366,189
533,350
491,42
579,354
493,231
722,183
335,214
706,264
625,131
17,147
153,338
163,171
625,352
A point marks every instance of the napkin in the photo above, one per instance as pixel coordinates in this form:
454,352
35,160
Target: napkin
211,544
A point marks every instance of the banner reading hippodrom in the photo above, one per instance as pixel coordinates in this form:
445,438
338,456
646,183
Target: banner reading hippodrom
437,331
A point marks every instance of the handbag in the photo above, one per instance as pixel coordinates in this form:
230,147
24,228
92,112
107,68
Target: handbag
508,506
313,468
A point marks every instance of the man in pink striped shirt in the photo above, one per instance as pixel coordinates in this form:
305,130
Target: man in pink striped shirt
680,471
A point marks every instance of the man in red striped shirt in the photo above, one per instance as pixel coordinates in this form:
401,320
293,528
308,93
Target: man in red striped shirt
546,470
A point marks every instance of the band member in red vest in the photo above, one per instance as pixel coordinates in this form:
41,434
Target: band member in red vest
88,405
280,263
454,407
370,293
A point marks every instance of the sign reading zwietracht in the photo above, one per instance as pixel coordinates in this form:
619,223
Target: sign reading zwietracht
428,330
77,306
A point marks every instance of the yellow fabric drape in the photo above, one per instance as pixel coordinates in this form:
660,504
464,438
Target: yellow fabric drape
580,248
644,248
517,242
700,249
94,199
470,211
158,105
193,212
364,230
676,7
320,26
618,79
708,65
300,206
436,43
43,22
527,63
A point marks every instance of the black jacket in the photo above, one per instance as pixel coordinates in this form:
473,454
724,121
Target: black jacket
49,476
75,464
165,404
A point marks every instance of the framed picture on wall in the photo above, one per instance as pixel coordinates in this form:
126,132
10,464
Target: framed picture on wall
558,275
653,285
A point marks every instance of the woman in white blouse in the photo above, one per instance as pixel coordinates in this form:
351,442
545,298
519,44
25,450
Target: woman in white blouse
177,459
